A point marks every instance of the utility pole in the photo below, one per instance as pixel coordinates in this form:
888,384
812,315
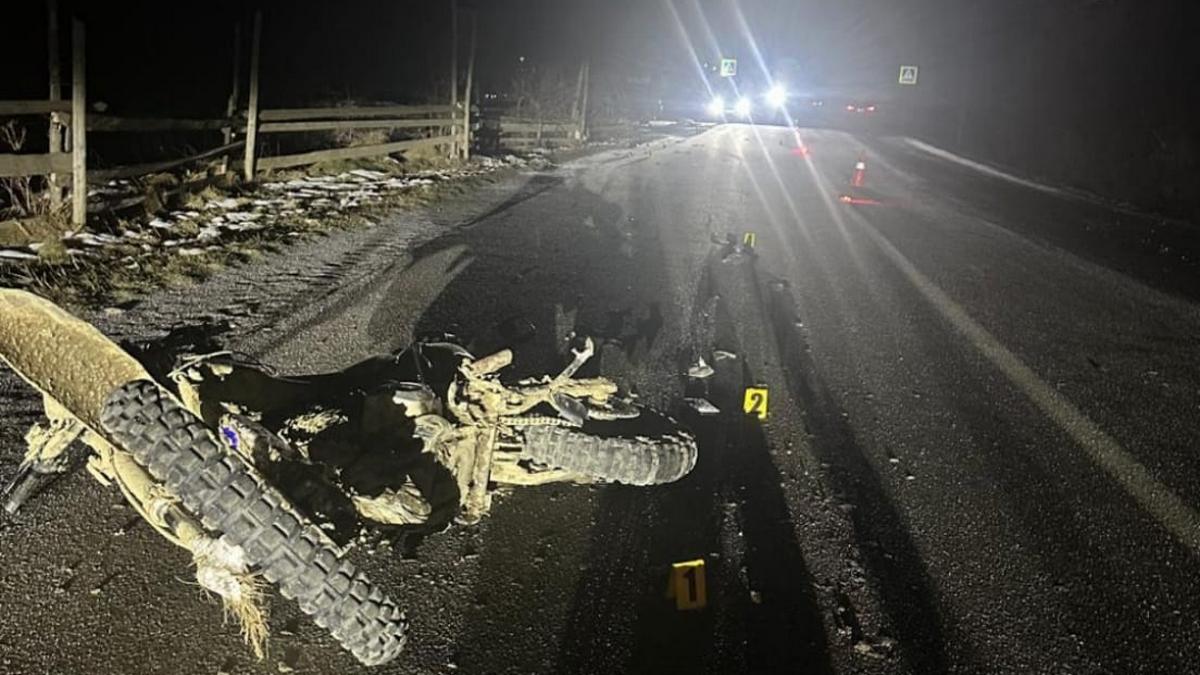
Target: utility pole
78,126
56,127
587,83
578,98
466,132
454,73
252,104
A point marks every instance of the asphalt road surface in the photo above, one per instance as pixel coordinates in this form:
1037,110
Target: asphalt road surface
980,452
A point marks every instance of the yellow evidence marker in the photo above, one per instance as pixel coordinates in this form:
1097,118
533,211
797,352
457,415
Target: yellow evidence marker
749,240
755,402
686,585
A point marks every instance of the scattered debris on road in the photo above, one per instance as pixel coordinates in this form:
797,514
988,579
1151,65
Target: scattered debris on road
701,370
703,406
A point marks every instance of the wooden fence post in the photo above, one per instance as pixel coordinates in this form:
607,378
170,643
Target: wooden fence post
56,131
78,125
454,76
231,104
587,83
575,105
466,127
252,108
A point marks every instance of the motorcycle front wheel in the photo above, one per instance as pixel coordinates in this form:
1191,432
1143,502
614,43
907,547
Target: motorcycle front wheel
232,500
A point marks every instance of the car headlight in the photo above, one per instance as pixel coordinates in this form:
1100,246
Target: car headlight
716,107
776,96
742,107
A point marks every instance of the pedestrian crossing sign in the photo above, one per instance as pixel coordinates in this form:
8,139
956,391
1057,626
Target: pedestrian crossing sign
908,74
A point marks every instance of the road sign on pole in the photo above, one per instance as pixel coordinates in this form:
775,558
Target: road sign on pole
908,74
728,67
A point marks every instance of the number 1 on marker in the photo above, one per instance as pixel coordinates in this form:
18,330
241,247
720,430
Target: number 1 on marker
687,585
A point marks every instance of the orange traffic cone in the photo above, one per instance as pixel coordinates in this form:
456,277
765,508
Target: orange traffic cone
860,172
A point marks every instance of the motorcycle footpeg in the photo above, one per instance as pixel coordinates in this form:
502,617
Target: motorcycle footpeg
570,408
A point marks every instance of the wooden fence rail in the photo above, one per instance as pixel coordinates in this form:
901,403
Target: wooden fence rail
283,127
34,165
14,108
351,112
164,165
526,134
437,119
300,159
98,122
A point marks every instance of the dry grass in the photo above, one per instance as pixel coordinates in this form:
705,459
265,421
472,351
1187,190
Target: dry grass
53,250
22,199
34,229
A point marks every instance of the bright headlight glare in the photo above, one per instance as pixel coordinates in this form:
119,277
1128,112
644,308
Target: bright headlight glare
777,96
716,106
742,107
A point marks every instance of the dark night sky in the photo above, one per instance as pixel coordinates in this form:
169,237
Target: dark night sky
1083,59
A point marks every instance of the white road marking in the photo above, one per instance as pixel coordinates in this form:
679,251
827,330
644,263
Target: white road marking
982,168
1172,513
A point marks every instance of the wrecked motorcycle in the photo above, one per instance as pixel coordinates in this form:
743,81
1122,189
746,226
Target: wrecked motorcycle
244,468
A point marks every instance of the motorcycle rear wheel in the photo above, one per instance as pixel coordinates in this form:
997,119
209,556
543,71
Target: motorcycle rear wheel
663,457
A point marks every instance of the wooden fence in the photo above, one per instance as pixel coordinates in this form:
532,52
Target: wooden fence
437,128
507,132
514,133
71,123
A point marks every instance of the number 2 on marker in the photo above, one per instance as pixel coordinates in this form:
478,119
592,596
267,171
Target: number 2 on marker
755,402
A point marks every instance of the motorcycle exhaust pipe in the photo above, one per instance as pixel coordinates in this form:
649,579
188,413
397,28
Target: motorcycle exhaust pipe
27,482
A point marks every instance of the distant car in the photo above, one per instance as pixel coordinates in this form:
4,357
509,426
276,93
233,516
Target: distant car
735,108
861,107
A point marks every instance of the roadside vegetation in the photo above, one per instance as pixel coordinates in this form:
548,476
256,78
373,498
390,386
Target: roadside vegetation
175,229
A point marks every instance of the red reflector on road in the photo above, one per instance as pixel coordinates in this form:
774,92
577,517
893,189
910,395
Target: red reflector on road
858,201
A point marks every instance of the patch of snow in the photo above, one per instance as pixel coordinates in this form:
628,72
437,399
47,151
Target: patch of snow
242,216
368,174
94,239
209,232
244,227
13,254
